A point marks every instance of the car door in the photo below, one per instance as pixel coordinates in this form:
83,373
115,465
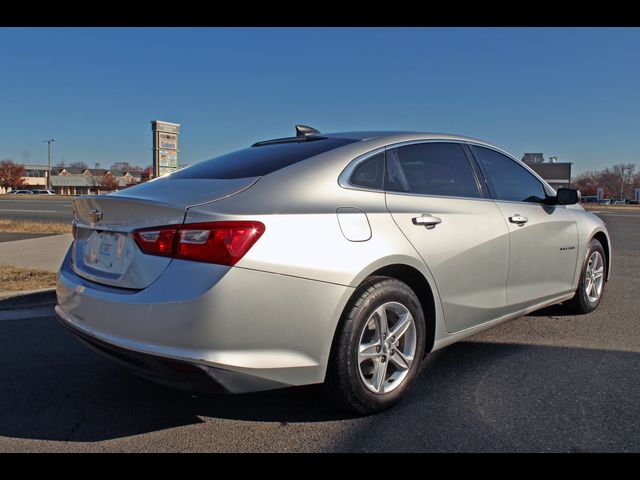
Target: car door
543,238
433,195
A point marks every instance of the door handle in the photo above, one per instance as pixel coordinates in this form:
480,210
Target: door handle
427,220
519,219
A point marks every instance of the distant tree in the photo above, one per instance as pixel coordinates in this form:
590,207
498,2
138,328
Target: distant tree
126,167
121,166
60,164
11,175
618,181
587,182
108,182
95,181
635,181
82,165
146,174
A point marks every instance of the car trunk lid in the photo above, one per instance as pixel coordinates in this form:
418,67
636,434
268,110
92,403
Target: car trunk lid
104,250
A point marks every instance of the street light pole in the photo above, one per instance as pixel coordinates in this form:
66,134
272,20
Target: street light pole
624,169
49,162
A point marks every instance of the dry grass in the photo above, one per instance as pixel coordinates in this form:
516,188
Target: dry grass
28,226
13,279
621,208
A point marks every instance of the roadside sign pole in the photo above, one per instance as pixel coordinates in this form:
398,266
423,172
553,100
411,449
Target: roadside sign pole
49,161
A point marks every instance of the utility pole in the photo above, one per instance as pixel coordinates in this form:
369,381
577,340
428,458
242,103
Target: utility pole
49,162
622,184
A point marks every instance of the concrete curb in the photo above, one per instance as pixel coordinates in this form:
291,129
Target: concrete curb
27,298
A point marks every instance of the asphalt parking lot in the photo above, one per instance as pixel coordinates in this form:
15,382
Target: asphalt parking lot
545,382
15,207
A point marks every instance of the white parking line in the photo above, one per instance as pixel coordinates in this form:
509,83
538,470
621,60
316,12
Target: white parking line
24,210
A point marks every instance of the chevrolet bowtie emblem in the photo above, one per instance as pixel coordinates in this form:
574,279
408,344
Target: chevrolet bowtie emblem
95,215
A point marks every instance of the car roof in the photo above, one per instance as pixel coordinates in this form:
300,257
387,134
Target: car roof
377,138
390,136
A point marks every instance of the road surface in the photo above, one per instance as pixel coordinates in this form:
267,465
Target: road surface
38,209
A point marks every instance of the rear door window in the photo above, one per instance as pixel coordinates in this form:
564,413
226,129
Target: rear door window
435,168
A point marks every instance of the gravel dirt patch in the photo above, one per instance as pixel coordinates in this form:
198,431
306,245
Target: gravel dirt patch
13,279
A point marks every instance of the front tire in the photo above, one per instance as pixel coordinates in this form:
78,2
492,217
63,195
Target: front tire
378,347
592,281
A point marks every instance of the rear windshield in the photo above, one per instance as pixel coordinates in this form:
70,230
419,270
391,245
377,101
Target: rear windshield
261,160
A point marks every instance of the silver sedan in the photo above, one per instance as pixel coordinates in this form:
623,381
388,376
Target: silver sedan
337,259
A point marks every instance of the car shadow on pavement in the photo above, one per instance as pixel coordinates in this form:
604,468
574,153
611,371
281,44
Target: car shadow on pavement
557,310
495,397
55,388
469,396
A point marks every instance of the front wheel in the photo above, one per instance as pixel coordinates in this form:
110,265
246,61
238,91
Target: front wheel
592,281
378,347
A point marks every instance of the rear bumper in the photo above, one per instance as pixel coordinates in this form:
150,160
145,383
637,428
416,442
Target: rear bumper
183,375
247,330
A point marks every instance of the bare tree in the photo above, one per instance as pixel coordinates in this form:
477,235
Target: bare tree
623,174
95,182
618,181
109,182
126,167
11,175
82,165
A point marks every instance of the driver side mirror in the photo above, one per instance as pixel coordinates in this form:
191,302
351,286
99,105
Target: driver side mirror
567,196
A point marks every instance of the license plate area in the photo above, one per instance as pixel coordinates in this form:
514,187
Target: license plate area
109,252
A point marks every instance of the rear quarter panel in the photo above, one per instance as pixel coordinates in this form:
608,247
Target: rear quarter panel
303,236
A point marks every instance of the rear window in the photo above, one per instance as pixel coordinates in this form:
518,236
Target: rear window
260,160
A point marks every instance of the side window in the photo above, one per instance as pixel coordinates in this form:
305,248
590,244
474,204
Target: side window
437,168
510,180
369,173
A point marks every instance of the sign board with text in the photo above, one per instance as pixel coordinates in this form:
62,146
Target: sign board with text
165,147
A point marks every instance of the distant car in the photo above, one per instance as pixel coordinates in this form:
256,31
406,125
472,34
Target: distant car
633,202
618,202
337,259
606,201
19,192
43,192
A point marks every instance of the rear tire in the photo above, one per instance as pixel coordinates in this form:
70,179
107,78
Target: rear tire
592,281
378,347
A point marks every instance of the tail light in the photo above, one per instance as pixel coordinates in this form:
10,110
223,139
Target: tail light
216,242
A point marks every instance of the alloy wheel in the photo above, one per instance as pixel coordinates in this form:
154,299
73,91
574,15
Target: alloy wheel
594,277
387,347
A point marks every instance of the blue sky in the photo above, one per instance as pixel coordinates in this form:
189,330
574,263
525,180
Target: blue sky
570,92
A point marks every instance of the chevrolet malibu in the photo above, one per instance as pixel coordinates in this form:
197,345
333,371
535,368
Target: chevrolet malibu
337,259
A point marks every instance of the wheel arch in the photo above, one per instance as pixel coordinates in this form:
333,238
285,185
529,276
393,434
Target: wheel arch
421,287
405,270
603,238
